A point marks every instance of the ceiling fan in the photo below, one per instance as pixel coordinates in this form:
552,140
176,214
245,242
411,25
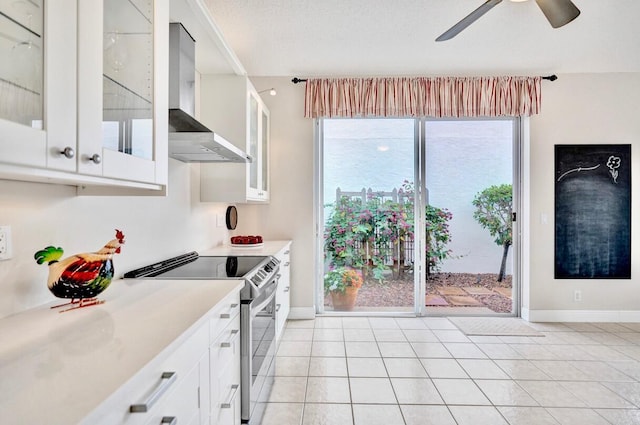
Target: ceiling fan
558,13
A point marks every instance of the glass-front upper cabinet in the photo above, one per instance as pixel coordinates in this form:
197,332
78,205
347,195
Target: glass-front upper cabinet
254,116
258,147
128,77
21,67
38,84
264,151
123,108
22,139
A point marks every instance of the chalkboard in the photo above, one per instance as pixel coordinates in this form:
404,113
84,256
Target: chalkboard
593,211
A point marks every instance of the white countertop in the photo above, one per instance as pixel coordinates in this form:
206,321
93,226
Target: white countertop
55,368
268,248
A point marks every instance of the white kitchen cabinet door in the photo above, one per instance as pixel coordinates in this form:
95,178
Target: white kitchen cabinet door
170,386
283,303
225,371
232,107
122,89
38,85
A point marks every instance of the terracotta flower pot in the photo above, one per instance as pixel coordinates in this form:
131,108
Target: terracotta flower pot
344,301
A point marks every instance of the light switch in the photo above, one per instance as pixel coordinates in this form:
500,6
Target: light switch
543,218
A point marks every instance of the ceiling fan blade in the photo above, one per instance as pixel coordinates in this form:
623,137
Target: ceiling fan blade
468,20
558,12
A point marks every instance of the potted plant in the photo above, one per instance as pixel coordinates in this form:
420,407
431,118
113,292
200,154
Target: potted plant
343,284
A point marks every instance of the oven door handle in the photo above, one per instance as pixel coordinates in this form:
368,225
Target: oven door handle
257,309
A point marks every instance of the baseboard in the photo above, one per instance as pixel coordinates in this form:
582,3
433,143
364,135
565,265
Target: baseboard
601,316
302,313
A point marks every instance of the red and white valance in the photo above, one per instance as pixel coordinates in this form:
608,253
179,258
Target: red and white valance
422,97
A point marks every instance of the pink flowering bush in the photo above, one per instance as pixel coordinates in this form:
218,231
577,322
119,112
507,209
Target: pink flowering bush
367,234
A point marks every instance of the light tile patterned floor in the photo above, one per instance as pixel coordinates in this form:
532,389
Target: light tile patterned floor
424,371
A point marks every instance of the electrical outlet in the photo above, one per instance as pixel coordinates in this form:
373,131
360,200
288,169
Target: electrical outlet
5,242
577,296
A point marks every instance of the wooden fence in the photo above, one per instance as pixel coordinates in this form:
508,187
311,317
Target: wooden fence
398,256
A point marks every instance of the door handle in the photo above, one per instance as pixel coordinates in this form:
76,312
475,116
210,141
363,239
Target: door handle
166,380
232,396
234,335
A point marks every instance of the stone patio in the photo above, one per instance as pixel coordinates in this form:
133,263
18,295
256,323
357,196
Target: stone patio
467,296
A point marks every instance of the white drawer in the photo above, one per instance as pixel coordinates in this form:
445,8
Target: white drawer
182,405
223,315
224,375
226,348
154,385
225,409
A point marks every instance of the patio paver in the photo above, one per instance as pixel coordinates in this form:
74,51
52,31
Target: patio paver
478,290
463,300
450,290
503,291
435,300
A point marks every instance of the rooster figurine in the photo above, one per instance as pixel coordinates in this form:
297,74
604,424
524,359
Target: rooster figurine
80,277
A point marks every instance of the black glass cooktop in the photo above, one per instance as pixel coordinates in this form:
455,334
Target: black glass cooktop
192,266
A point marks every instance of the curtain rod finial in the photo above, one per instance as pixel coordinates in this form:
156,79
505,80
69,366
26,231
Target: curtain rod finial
297,80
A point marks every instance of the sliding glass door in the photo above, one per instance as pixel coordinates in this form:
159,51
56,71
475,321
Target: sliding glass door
469,178
368,179
415,216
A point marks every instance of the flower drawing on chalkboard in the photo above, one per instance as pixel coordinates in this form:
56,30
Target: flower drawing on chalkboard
614,163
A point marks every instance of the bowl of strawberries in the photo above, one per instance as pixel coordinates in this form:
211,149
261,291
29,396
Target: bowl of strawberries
250,241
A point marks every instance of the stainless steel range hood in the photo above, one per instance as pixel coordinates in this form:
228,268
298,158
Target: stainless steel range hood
189,140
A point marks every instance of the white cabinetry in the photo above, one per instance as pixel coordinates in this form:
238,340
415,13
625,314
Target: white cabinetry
198,382
284,287
122,89
92,110
167,388
38,84
232,107
224,355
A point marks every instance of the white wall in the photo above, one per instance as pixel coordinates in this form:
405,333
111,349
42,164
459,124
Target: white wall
589,108
155,228
577,108
290,212
581,109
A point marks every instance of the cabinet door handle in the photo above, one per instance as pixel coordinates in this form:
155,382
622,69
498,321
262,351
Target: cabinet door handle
232,396
95,158
169,420
287,252
166,379
68,152
228,315
287,264
286,289
234,335
278,307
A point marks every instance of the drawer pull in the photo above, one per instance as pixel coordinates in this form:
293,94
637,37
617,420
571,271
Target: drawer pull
169,420
166,379
286,289
234,335
228,315
234,391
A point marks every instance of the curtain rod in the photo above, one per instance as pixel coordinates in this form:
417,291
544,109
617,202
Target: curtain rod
551,77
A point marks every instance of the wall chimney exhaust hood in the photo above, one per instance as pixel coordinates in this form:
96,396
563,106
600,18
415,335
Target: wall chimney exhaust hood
189,140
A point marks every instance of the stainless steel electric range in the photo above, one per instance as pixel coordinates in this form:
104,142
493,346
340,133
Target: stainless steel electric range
257,312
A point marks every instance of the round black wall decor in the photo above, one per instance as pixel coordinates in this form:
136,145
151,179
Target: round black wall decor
232,217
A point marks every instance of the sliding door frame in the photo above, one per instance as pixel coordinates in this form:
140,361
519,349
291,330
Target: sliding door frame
420,155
